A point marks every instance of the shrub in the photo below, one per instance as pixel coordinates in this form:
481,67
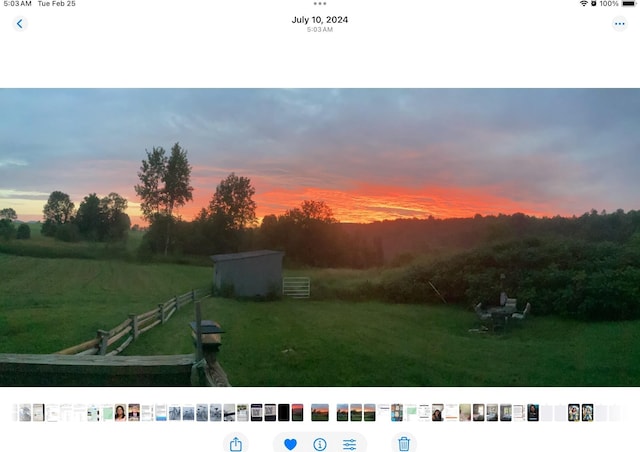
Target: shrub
24,232
7,230
48,229
67,232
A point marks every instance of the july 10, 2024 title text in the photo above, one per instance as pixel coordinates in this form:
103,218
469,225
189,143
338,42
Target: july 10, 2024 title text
320,24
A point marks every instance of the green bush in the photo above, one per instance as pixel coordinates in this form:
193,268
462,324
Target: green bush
48,228
569,278
67,232
24,232
7,230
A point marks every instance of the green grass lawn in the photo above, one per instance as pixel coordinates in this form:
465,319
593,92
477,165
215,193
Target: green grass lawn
331,343
50,304
48,247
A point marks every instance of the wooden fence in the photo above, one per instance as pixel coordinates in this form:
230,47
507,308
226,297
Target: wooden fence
95,370
129,330
78,368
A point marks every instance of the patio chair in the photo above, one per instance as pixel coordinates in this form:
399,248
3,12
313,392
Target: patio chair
483,315
521,316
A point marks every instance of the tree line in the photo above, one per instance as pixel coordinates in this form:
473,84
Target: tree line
308,234
7,228
566,276
96,219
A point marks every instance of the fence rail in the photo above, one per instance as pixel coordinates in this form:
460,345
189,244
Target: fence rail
134,326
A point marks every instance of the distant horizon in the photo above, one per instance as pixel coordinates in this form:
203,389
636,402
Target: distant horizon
599,212
370,154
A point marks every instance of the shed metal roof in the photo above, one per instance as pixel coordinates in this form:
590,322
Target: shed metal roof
245,255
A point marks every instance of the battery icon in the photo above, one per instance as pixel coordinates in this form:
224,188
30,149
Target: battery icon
629,3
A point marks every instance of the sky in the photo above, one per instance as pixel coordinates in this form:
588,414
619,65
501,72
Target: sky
370,154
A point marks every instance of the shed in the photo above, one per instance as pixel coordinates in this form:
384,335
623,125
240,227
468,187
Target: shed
249,274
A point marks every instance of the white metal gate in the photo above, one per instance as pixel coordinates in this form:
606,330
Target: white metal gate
296,286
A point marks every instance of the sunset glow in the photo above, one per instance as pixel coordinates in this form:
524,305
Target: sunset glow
371,155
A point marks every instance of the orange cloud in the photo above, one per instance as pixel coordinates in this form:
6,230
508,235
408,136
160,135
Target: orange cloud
368,203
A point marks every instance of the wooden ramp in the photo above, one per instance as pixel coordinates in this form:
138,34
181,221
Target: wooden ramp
95,370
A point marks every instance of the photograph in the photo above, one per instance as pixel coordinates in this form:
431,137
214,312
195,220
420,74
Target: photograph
478,412
188,413
270,412
229,413
256,412
450,216
175,413
506,412
355,412
342,412
465,412
215,412
134,412
574,412
120,413
492,412
202,412
369,412
25,413
397,412
320,412
284,412
242,412
297,412
437,412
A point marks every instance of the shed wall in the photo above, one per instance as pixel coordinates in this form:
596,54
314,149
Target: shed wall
251,276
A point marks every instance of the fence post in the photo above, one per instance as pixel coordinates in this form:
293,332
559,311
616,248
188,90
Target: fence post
161,308
199,353
104,339
134,326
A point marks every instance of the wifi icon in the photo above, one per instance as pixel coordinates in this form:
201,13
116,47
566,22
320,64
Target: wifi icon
584,2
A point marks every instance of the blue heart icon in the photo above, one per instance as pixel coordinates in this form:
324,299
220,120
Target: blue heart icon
290,443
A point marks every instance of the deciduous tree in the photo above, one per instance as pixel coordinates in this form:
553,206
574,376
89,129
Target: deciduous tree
103,219
164,185
233,200
8,214
57,211
224,224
